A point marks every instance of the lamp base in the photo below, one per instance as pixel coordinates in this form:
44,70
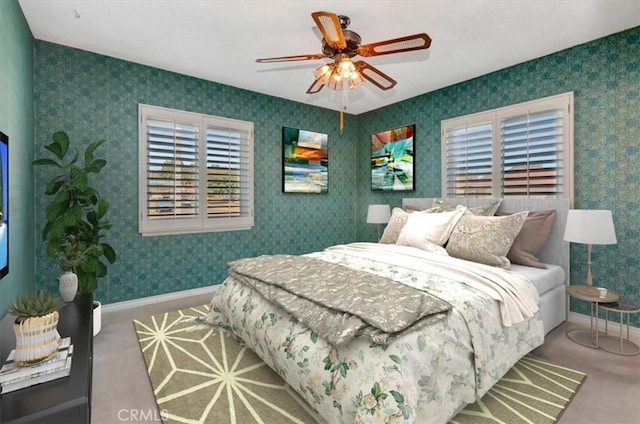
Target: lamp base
587,290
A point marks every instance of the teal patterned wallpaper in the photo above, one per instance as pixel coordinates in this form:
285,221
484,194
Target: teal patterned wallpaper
605,78
94,97
16,120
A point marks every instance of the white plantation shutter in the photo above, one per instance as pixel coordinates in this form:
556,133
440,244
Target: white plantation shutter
196,172
468,159
524,150
172,168
532,154
229,172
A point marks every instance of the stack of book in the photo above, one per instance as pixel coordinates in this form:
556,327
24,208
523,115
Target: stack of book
14,377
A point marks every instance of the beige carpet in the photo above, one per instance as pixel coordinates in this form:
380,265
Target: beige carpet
202,375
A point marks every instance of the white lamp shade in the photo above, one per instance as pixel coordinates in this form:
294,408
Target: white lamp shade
378,214
588,226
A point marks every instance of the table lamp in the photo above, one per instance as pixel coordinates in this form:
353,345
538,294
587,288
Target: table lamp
378,214
588,226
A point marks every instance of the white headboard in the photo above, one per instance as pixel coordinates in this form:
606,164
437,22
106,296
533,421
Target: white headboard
555,250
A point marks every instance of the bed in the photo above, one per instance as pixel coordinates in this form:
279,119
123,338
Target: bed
374,369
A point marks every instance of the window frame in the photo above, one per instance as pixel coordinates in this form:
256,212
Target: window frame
564,102
200,223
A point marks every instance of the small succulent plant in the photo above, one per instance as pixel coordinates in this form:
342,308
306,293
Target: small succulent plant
35,304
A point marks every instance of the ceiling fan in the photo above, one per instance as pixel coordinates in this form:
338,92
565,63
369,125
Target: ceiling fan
341,44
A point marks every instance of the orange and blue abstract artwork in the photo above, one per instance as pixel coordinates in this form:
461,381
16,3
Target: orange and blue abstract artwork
305,161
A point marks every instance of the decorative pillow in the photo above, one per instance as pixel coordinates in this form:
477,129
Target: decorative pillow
410,208
394,226
531,238
423,229
485,239
488,209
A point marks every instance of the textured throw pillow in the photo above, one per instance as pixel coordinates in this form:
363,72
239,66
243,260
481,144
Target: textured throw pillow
531,238
488,209
411,208
485,239
424,229
394,226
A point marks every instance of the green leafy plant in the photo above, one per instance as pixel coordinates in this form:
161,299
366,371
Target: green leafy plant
76,215
73,251
35,304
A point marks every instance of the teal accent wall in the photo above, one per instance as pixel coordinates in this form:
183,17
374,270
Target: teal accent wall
605,78
93,97
96,97
16,120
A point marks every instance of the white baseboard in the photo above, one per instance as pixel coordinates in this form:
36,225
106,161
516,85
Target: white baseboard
144,301
613,326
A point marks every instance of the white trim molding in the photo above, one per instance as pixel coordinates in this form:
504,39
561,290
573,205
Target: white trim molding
150,300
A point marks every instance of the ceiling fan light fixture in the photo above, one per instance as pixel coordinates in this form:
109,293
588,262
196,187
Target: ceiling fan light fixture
323,73
335,82
346,68
355,80
339,75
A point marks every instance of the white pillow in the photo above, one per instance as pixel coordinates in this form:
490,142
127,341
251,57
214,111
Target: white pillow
423,229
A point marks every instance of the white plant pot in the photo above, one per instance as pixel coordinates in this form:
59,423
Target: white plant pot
36,338
68,285
97,317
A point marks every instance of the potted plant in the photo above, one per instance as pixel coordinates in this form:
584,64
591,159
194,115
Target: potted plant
76,215
36,327
72,252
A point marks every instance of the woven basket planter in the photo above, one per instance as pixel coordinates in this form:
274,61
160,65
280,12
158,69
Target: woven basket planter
36,338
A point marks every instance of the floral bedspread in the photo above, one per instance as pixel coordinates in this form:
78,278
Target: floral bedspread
424,376
313,291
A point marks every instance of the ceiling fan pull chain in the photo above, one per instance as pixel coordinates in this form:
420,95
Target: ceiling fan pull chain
343,109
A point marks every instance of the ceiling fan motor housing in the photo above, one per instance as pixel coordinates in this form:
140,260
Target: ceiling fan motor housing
353,41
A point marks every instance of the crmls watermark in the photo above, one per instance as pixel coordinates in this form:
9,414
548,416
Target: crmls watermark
146,415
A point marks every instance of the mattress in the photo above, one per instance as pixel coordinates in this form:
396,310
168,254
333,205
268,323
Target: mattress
544,280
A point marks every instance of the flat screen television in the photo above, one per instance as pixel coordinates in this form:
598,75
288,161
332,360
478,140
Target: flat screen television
4,205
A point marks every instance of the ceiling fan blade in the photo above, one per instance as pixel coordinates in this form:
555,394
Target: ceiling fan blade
315,87
375,76
296,58
329,25
396,45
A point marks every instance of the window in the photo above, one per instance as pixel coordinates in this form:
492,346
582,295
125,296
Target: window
524,150
195,172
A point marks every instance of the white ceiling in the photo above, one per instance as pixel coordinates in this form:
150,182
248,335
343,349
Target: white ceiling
219,40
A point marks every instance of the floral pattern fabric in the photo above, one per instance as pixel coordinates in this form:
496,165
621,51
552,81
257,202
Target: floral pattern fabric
426,375
313,291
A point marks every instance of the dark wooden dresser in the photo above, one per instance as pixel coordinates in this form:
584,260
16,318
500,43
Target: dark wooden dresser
65,400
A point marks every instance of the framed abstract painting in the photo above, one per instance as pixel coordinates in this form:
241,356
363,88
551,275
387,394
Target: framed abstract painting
305,164
392,159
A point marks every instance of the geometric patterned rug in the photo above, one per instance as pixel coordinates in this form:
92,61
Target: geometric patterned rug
202,375
534,391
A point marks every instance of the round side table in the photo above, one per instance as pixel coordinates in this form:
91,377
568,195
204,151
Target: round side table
589,337
618,344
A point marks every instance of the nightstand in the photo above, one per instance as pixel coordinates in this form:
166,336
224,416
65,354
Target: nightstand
589,337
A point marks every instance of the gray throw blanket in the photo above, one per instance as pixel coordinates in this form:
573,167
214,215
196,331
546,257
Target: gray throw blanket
338,302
